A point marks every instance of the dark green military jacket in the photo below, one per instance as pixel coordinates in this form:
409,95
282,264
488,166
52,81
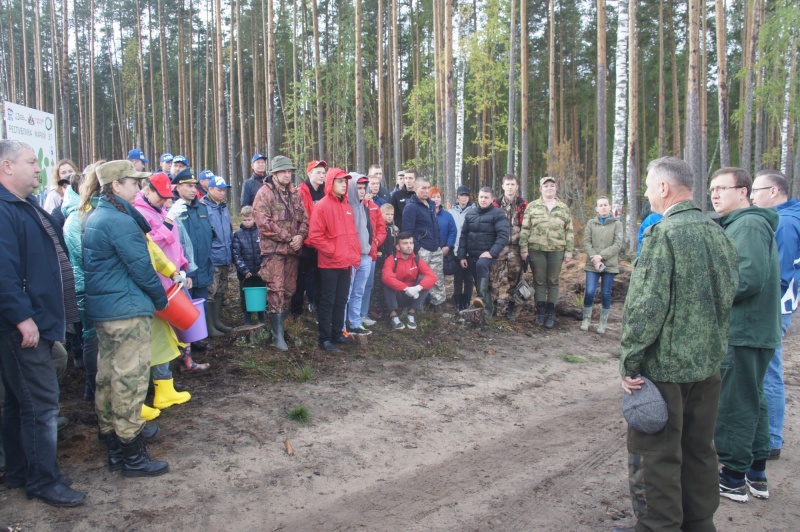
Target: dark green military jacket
675,322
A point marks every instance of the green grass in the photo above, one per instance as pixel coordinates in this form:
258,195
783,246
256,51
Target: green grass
572,359
304,374
300,414
259,367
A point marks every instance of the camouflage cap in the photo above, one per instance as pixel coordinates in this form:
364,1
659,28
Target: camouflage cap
545,179
116,170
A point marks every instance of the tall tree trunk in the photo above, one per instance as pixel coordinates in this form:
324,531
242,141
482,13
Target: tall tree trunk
460,111
361,156
620,112
745,150
64,73
83,152
787,135
222,142
271,80
243,137
165,107
722,84
92,99
662,89
512,70
143,114
381,90
12,67
693,140
232,112
760,140
796,170
24,69
523,61
397,89
181,101
676,99
551,126
318,77
633,128
703,93
450,113
602,123
151,80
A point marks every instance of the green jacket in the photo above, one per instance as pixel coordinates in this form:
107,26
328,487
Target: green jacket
604,240
675,322
756,312
547,231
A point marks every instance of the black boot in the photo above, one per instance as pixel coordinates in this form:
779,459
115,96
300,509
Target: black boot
550,321
510,315
540,313
115,457
137,462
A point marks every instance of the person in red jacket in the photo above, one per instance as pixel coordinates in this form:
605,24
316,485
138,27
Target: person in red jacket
312,190
332,232
406,281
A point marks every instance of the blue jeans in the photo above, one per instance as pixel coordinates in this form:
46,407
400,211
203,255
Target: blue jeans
592,278
358,282
368,291
29,413
775,391
160,372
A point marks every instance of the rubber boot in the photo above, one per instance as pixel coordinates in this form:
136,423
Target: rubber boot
213,332
601,328
550,320
540,313
149,414
511,314
115,456
137,462
276,320
221,327
587,318
188,365
165,395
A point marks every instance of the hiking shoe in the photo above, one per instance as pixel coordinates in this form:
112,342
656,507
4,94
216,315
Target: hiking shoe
397,324
758,486
733,489
411,321
361,330
367,321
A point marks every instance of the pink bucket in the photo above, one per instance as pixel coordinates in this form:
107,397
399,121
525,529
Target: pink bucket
198,330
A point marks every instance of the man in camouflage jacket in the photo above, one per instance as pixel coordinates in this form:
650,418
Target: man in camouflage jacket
675,332
508,267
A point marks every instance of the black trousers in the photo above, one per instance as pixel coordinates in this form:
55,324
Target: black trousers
308,283
334,291
462,284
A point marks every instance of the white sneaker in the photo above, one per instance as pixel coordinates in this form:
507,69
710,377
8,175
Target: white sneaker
367,321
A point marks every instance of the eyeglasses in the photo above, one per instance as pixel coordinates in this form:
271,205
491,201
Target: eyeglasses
719,189
761,188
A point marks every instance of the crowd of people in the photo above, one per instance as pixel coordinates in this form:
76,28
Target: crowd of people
705,313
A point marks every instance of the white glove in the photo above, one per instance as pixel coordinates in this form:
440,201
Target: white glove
179,278
413,291
178,208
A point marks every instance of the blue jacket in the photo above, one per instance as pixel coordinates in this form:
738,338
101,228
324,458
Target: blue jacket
420,219
447,228
198,227
250,188
652,219
72,235
30,284
788,238
220,220
119,276
246,251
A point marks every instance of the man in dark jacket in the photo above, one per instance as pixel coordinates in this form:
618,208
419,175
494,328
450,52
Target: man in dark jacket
312,190
508,267
420,219
402,195
483,236
259,165
742,432
33,258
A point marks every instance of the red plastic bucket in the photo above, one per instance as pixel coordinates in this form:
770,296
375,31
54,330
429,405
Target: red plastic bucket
198,331
180,313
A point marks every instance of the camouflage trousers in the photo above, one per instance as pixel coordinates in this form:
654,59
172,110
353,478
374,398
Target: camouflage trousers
673,473
435,260
123,371
220,283
505,272
280,274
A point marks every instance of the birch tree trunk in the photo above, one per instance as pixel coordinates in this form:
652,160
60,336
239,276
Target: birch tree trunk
787,135
600,108
460,110
620,113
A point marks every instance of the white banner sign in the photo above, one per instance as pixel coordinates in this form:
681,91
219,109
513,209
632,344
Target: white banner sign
37,129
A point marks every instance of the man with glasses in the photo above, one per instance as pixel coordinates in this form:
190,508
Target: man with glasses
771,191
742,432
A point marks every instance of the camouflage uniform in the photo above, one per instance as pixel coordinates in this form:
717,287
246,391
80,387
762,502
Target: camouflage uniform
546,235
507,269
675,332
280,216
123,371
435,259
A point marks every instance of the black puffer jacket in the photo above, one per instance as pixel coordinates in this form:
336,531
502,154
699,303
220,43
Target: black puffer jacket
483,230
246,251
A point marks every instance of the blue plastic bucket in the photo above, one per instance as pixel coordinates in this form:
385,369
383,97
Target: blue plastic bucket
199,330
255,298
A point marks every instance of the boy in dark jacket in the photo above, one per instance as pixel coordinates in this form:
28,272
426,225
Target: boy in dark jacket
247,258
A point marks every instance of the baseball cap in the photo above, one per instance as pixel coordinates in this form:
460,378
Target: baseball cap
160,183
166,158
185,176
545,179
205,174
116,170
280,163
314,164
463,189
256,157
360,178
181,159
645,409
218,182
138,155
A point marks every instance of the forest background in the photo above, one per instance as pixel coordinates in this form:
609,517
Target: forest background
465,91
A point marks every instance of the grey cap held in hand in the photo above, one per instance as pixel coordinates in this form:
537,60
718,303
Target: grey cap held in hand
645,409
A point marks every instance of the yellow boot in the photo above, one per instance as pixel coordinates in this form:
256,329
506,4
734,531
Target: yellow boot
166,395
149,414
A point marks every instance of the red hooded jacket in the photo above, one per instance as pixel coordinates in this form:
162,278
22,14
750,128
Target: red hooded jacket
332,229
378,228
399,275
